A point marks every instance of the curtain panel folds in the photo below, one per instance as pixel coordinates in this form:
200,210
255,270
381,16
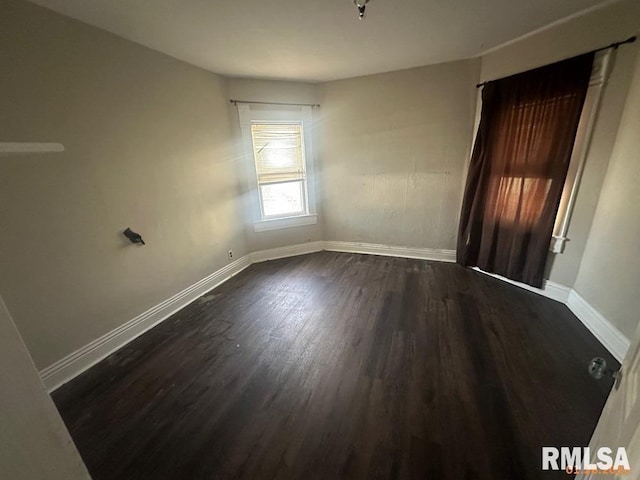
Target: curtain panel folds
518,168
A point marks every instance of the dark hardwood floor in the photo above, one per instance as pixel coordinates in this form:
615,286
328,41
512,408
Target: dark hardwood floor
332,366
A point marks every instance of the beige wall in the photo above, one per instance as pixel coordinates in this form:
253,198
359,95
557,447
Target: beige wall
609,275
393,150
154,144
596,29
276,92
35,443
148,145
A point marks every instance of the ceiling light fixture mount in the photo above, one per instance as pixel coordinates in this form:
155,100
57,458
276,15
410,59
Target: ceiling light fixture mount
361,5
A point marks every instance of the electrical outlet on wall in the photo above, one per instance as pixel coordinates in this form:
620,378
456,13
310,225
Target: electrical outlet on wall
230,254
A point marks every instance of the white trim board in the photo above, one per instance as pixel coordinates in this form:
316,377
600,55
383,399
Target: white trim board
554,291
283,252
84,358
391,251
610,337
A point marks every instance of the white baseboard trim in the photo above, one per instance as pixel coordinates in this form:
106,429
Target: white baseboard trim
84,358
612,338
283,252
601,328
391,251
554,291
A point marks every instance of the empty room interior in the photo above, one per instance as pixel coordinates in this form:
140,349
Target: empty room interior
340,239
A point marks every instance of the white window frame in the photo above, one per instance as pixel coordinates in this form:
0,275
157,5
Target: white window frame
599,74
250,114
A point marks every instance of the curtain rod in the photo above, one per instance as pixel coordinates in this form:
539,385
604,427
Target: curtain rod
235,102
614,45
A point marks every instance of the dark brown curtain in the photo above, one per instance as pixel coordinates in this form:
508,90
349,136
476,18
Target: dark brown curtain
518,168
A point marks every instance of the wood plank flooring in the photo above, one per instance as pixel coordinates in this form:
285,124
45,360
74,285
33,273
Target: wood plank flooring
343,366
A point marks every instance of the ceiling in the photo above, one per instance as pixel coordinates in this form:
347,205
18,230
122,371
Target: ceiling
317,40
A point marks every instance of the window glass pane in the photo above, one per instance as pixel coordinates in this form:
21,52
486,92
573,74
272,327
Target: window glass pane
520,200
282,198
278,151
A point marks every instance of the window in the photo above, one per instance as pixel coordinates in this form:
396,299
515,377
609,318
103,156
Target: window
599,75
521,191
520,200
278,151
518,168
280,165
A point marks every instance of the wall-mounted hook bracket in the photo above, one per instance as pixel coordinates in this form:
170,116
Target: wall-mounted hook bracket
133,236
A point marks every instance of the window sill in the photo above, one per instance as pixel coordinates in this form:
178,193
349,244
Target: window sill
287,222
